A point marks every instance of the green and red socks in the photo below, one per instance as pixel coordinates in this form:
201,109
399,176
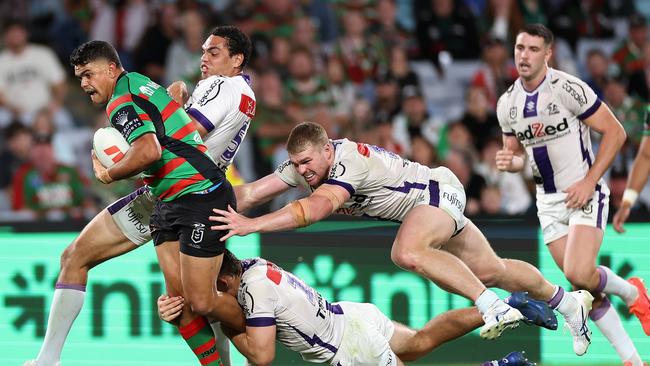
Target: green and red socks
199,336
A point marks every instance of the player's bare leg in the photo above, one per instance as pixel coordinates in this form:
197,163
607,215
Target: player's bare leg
417,249
409,344
99,241
472,248
576,255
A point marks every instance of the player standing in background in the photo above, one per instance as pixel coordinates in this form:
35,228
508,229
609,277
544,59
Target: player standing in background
223,104
435,239
549,114
279,305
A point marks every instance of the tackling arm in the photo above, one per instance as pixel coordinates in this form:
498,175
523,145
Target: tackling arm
257,344
260,191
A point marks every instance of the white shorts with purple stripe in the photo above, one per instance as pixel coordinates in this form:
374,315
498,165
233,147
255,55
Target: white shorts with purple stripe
446,192
131,214
555,218
366,337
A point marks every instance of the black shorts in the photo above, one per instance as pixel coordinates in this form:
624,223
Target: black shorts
185,219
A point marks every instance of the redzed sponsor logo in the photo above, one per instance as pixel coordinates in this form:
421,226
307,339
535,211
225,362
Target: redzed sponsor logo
247,106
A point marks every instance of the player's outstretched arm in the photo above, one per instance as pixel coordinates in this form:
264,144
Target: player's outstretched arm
260,191
635,182
257,344
511,157
604,122
410,345
320,204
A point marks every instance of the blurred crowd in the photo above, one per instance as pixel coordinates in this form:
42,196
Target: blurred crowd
418,77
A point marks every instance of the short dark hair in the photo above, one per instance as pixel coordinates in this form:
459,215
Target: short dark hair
230,266
539,30
94,50
14,22
14,129
236,41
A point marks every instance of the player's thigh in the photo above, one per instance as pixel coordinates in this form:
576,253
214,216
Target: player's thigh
473,248
582,246
169,262
99,241
198,276
557,248
424,226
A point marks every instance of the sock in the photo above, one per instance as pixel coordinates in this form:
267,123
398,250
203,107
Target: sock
561,302
223,344
611,283
486,300
607,320
200,338
490,363
66,305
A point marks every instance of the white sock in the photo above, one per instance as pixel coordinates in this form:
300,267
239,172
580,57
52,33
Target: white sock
222,343
615,285
486,300
567,305
66,305
612,328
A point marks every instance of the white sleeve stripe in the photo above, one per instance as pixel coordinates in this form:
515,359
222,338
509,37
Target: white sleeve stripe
203,120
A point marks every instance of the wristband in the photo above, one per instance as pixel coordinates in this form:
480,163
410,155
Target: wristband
630,196
104,177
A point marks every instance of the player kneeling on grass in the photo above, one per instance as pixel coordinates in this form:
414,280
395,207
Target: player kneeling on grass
279,305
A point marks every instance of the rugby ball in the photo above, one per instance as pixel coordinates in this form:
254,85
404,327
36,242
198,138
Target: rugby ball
109,145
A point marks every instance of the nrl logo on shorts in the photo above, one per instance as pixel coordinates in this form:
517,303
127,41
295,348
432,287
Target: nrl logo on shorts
588,208
197,233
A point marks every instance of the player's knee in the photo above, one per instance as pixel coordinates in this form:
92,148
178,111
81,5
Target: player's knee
70,258
407,259
578,277
200,305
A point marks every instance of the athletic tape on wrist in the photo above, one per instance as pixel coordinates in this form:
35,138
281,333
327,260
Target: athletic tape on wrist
630,196
300,215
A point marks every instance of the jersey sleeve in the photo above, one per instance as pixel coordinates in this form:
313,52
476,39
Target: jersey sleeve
288,174
131,121
259,299
351,167
210,102
578,97
502,116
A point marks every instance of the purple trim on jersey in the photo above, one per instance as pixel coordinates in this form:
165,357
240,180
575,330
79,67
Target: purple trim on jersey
557,298
247,78
509,133
537,87
586,114
119,204
246,264
585,152
203,120
260,322
434,193
602,279
347,186
407,186
600,311
335,308
315,340
530,105
601,205
70,286
543,162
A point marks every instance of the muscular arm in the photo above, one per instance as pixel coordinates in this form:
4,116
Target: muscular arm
144,151
260,191
257,344
605,123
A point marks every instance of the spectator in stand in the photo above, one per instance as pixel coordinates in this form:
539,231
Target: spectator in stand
639,81
533,11
446,25
388,95
423,152
361,53
490,200
572,20
401,70
276,17
629,56
342,92
479,118
18,143
496,72
461,164
280,56
47,188
150,54
630,111
415,120
184,54
31,78
502,20
597,71
389,30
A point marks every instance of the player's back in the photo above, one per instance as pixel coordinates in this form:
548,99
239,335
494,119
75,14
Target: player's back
140,106
548,123
224,106
306,323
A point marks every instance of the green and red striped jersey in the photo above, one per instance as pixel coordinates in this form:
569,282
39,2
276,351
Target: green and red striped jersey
139,106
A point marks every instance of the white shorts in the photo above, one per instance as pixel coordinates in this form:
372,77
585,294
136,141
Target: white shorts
365,337
555,218
446,192
131,214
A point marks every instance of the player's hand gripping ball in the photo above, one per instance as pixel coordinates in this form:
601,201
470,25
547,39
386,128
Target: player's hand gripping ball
109,146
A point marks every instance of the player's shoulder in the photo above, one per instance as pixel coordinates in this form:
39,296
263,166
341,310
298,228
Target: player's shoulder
510,93
569,88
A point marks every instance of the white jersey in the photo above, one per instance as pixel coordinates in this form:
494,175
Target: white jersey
548,123
224,106
305,322
381,184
